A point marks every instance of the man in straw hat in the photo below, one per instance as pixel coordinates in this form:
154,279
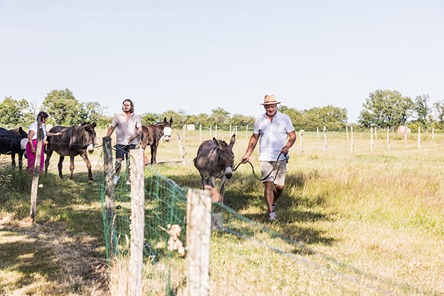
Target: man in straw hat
276,135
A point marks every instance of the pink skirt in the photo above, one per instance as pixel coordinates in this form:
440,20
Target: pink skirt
31,157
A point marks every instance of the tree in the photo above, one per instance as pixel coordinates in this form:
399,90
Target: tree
386,108
179,118
438,110
91,111
294,114
241,120
219,117
422,110
150,118
333,118
104,121
200,119
14,112
63,108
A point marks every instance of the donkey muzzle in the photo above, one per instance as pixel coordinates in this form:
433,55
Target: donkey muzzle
90,148
228,172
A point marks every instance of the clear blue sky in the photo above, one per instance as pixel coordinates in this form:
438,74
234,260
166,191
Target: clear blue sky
199,55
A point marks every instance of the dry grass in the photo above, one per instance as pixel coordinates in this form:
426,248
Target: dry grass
371,218
376,214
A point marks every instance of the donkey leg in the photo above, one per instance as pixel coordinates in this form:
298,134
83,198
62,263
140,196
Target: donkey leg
88,165
20,159
48,157
222,188
204,181
60,165
71,166
13,160
153,154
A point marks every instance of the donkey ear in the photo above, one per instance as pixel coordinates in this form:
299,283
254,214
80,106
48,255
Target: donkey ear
93,124
233,139
165,120
171,121
216,142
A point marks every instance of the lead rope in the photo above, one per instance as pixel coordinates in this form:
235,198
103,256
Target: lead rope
274,168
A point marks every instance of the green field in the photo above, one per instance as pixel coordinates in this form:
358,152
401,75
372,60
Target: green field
367,216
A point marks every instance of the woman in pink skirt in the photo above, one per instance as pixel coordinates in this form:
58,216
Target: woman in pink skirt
31,147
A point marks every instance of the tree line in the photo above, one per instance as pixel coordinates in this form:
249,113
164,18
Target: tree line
382,109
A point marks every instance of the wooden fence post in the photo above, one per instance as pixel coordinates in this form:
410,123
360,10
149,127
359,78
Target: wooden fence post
419,138
301,133
200,133
325,139
181,150
405,138
137,221
184,138
36,172
109,194
388,138
371,139
352,141
198,242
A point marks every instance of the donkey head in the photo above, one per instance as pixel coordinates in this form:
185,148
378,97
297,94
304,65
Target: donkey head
226,155
89,136
167,128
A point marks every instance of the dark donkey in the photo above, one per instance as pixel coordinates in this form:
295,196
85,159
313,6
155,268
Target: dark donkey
75,140
10,144
152,133
215,159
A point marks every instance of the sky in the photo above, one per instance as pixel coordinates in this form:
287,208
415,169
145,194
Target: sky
196,56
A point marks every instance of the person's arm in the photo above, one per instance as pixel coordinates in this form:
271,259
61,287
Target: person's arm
110,131
251,145
30,135
290,142
138,133
214,194
53,134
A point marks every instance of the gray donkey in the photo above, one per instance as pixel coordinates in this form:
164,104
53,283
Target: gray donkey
215,159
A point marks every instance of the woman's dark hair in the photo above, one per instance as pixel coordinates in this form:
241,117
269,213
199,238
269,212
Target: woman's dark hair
132,105
42,115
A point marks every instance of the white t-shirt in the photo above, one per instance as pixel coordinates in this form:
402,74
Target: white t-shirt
273,135
126,129
34,127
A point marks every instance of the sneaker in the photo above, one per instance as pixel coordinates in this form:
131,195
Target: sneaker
128,182
116,179
273,206
272,216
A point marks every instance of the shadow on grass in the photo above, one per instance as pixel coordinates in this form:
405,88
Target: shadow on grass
60,253
296,214
45,254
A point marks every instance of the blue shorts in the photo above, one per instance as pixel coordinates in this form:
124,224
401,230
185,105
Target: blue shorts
122,151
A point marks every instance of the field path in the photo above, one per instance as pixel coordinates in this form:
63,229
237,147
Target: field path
47,259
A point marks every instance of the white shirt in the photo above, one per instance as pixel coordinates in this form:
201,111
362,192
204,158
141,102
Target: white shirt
273,135
34,127
126,129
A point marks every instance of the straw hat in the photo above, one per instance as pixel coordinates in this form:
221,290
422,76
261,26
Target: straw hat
270,100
